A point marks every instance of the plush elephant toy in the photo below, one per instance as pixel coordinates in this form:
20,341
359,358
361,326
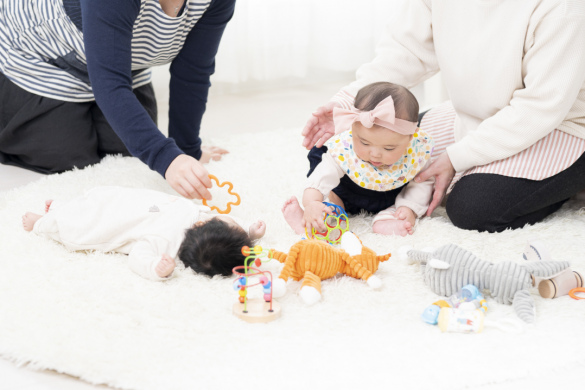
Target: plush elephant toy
449,268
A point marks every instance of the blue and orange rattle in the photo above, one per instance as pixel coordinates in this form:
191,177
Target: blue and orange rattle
229,205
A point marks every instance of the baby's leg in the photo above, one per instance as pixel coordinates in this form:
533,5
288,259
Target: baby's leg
165,266
293,215
29,220
394,222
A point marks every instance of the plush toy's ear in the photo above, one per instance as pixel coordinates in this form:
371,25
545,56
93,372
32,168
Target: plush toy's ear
438,264
351,244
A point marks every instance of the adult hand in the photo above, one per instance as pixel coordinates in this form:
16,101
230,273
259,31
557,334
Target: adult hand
211,153
319,127
188,177
442,170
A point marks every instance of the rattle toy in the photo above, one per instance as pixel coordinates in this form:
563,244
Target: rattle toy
468,298
314,261
254,310
229,205
450,267
336,224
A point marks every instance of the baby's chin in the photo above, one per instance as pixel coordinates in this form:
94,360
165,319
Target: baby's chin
378,164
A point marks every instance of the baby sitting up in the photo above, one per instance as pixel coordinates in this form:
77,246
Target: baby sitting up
369,165
153,228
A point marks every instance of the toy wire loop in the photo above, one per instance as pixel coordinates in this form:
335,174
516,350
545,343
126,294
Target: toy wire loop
241,284
229,205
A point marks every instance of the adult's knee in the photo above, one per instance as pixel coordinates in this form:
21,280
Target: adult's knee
470,208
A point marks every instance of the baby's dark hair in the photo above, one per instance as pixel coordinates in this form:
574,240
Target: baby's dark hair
214,248
405,104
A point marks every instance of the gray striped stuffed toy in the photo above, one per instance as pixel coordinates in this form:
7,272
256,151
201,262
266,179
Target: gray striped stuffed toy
450,267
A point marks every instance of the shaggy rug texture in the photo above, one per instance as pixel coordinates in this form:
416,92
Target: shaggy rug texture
88,315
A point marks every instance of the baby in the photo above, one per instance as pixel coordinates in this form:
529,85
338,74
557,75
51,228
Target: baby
369,165
153,228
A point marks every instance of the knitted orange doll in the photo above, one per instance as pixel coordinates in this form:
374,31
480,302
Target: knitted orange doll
316,260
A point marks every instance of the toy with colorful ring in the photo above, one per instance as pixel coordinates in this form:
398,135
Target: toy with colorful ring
336,223
254,310
229,205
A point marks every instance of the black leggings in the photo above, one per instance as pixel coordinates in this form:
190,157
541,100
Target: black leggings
49,136
494,203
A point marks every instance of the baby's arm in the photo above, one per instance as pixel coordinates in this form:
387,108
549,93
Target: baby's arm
416,196
144,260
257,230
322,180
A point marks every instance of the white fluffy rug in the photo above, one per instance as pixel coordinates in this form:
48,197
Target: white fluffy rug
88,315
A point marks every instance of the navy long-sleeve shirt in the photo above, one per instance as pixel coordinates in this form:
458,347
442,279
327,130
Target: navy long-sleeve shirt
108,31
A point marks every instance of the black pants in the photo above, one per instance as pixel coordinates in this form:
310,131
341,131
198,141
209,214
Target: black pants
494,203
49,136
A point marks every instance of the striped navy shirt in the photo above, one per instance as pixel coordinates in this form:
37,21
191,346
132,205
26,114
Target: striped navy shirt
81,50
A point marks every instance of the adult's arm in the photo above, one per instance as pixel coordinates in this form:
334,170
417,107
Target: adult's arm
554,69
107,31
190,73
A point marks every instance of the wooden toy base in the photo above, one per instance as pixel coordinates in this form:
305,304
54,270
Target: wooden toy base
257,311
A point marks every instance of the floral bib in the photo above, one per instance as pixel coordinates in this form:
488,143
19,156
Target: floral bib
385,177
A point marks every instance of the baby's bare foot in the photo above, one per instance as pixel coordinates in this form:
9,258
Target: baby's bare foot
165,266
48,205
293,215
29,220
389,227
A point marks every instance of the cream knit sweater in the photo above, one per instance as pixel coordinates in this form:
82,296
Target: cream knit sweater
514,69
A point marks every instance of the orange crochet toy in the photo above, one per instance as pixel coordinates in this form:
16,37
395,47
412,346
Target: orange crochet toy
316,260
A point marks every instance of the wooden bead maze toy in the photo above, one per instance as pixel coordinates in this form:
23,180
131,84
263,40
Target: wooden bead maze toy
257,309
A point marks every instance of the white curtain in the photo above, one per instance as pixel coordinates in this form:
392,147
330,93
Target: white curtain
278,43
272,40
274,43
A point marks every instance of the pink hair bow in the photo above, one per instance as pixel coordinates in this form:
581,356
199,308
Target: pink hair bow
383,115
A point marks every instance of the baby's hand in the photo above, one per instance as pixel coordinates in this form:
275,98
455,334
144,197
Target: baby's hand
257,230
313,217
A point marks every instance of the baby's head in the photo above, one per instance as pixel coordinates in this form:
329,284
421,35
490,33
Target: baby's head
380,145
214,246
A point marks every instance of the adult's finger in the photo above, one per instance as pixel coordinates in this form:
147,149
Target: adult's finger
424,175
312,122
438,194
312,138
196,183
217,149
